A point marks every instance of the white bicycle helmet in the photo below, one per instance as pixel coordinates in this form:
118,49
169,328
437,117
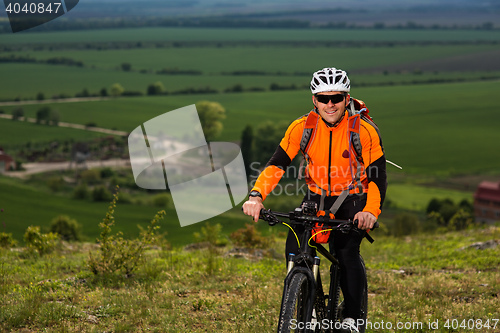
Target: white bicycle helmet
330,79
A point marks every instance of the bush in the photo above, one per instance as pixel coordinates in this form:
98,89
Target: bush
55,183
6,240
101,193
81,192
461,220
119,255
405,224
91,176
67,228
162,200
250,237
40,242
107,172
211,234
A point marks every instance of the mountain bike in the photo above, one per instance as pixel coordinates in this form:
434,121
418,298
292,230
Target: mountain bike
304,305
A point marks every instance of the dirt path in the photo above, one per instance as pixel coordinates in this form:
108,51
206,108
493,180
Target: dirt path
51,101
77,126
33,168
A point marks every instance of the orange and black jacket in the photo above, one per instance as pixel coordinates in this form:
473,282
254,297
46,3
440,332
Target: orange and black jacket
330,168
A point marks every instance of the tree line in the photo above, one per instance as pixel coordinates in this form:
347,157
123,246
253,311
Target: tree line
231,22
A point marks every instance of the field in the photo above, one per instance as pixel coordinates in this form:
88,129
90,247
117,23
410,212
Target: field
431,92
427,129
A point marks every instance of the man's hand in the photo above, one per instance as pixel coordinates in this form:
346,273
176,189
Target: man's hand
252,207
366,220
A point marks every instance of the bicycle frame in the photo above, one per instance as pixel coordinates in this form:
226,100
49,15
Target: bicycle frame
304,262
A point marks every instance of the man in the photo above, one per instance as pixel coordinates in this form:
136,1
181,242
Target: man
332,164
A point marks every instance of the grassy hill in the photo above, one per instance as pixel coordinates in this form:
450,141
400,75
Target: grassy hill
413,281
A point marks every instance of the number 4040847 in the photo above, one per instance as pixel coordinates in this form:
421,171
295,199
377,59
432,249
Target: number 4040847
33,8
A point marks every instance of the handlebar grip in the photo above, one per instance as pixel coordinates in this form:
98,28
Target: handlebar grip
375,226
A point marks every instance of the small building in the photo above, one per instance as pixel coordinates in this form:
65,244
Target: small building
6,162
487,202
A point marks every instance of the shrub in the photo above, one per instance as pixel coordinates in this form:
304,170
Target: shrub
6,240
55,183
211,234
162,200
101,193
119,255
81,192
405,224
250,237
41,243
67,228
461,220
107,172
91,176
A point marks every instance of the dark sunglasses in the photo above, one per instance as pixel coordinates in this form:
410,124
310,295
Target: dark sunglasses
327,98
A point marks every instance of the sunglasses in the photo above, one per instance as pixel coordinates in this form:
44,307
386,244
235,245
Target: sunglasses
327,98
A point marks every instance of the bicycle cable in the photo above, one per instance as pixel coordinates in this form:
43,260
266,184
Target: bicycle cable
309,241
296,237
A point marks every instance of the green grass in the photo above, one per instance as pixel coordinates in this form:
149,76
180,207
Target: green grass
102,67
436,129
26,204
287,59
417,197
244,34
14,133
418,279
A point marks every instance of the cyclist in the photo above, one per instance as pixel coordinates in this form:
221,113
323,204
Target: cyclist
330,177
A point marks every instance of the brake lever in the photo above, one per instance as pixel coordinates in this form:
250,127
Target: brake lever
268,217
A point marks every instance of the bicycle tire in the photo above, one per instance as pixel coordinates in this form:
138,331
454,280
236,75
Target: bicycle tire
364,302
294,305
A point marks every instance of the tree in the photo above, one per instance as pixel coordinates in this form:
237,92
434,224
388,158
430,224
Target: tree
54,118
246,147
40,96
43,115
17,114
211,115
156,88
126,67
117,90
268,135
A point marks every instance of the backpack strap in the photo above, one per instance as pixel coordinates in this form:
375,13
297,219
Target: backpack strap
308,135
357,110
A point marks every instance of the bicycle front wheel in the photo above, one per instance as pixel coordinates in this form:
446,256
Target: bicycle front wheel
293,312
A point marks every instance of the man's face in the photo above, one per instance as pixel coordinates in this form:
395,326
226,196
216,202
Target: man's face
332,106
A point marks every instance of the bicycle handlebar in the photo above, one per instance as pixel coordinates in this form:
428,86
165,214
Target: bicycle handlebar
271,218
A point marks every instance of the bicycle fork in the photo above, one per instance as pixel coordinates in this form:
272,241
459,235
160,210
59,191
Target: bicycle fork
334,294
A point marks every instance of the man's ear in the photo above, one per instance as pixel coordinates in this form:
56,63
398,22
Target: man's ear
347,99
314,101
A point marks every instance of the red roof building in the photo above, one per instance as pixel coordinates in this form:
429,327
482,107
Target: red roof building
487,202
6,162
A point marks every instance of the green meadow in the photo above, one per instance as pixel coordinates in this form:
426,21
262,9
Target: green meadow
25,204
434,129
144,35
430,92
